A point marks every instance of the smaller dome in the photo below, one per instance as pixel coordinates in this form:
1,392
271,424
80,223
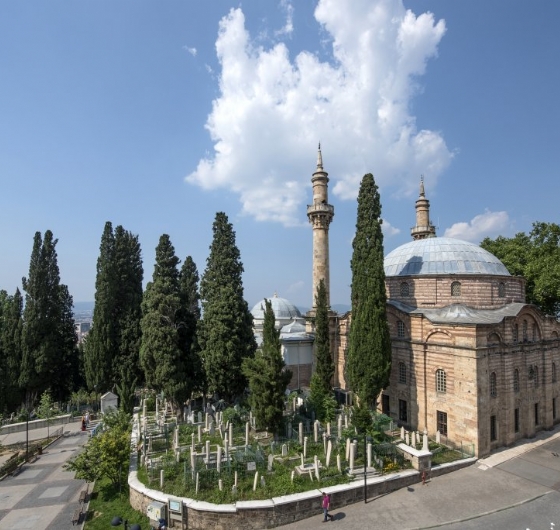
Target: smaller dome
283,309
293,327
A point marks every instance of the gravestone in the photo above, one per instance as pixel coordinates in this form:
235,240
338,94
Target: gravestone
270,462
199,417
316,431
425,441
438,437
284,450
305,447
329,451
251,466
219,459
369,455
300,434
338,465
413,440
255,481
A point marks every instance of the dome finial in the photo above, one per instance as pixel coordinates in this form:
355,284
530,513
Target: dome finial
319,158
422,192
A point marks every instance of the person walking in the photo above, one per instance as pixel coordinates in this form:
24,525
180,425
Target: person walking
326,507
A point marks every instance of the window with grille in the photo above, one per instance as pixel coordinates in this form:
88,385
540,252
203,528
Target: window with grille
554,372
442,422
501,290
516,380
456,289
405,289
441,381
525,331
515,332
402,372
516,420
493,429
536,413
493,389
400,329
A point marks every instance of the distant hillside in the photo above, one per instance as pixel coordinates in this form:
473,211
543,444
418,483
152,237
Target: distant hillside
83,306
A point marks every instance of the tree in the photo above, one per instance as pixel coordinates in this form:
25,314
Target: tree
225,333
190,316
48,337
11,325
45,409
268,377
106,454
536,257
369,350
112,350
321,380
161,355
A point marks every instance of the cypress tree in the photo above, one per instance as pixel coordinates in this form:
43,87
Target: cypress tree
11,324
112,349
190,316
101,342
368,363
268,377
321,381
226,329
48,336
161,355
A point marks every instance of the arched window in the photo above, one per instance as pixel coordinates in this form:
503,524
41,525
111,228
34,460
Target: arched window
456,289
525,331
405,289
402,372
515,333
516,380
493,387
554,372
400,329
536,375
441,381
501,290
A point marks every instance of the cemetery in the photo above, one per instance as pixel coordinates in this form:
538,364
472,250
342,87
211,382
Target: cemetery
217,456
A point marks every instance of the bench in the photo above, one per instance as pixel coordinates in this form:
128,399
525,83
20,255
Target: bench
83,496
77,516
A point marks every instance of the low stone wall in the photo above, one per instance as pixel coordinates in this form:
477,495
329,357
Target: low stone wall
257,515
35,424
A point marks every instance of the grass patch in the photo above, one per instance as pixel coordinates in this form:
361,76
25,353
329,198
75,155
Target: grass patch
106,502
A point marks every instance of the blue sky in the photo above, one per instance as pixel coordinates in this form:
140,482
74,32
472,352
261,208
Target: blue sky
156,115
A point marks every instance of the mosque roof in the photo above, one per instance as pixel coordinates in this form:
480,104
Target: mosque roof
442,255
283,309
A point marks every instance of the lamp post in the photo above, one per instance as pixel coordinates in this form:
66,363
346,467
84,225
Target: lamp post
117,521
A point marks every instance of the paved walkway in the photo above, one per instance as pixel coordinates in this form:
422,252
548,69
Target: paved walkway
43,496
515,488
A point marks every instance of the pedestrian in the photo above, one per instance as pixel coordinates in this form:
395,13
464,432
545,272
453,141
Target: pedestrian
87,418
326,507
424,477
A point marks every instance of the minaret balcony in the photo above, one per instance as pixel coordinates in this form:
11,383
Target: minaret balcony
320,209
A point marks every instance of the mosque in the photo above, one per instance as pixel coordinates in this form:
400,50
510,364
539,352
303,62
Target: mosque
470,358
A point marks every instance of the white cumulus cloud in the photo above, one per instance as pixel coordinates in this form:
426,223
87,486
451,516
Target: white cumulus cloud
388,229
488,224
273,110
192,51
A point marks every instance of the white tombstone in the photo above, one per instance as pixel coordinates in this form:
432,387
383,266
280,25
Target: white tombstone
407,439
346,421
206,415
329,451
339,426
219,459
234,490
199,417
305,447
235,479
263,482
230,434
255,481
293,472
316,462
339,467
270,462
413,440
196,487
220,484
316,431
325,443
300,434
425,441
328,428
247,434
369,455
161,479
352,456
193,459
402,433
347,449
302,460
438,437
207,449
284,450
199,433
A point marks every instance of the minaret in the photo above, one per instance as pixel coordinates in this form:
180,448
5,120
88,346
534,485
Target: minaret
423,228
320,215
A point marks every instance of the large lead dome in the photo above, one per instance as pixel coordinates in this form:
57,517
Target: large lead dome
442,255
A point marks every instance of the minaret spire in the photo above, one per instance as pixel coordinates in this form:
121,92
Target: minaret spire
423,228
320,215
